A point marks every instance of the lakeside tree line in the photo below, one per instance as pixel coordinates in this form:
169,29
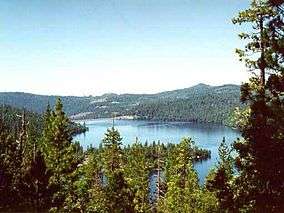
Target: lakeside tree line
211,109
12,117
216,104
51,173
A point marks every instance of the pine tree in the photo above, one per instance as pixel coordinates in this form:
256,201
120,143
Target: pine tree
7,164
36,179
276,36
35,175
157,183
159,179
260,185
183,192
181,180
87,193
220,180
98,196
12,158
137,173
62,156
119,194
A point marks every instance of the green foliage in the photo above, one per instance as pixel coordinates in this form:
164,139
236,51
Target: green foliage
38,103
76,128
62,156
137,171
112,154
9,166
12,116
183,192
21,166
259,185
215,104
36,180
42,169
220,180
240,117
118,191
36,121
49,172
87,193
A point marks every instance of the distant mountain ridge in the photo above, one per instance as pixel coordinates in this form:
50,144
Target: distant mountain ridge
182,104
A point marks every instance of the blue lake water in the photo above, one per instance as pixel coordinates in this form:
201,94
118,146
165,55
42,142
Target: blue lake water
208,136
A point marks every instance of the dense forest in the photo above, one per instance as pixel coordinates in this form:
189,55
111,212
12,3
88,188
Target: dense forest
45,170
217,104
48,171
12,116
211,108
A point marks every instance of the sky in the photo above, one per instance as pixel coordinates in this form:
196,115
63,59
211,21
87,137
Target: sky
91,47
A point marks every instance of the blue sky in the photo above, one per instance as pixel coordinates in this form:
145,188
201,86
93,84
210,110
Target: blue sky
91,47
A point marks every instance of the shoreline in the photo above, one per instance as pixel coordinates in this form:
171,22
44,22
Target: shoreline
136,118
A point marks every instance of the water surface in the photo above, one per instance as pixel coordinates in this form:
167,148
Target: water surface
208,136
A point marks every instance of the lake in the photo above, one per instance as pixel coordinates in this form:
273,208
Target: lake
208,136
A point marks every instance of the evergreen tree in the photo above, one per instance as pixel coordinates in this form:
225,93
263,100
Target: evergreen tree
87,193
183,193
13,155
35,176
137,173
158,156
260,185
181,180
8,165
98,196
36,182
62,156
220,180
119,194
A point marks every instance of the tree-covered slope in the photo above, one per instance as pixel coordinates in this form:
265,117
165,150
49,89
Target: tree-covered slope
201,103
38,103
12,118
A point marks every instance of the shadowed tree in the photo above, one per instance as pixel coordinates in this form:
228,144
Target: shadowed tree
183,192
260,160
118,191
62,156
137,171
220,179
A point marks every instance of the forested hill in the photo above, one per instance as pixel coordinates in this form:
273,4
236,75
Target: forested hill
12,118
38,103
200,103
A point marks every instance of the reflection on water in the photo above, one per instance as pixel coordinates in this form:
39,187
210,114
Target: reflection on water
207,136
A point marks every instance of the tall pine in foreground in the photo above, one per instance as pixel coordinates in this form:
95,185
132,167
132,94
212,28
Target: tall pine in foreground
183,192
37,180
118,191
87,193
62,156
137,171
260,161
9,164
220,179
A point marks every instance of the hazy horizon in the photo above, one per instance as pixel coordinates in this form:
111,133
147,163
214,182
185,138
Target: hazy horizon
142,93
82,47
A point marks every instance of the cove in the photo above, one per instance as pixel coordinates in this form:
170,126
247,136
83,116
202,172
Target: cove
205,135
